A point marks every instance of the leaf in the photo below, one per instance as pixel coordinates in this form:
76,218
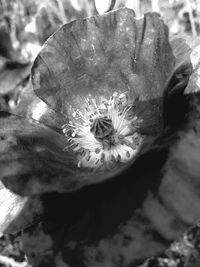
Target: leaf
194,82
186,51
17,212
32,160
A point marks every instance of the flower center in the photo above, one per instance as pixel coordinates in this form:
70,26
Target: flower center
104,133
103,130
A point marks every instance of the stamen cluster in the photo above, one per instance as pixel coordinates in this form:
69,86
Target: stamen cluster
104,133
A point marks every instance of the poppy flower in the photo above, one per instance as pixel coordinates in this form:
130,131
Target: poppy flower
100,84
98,129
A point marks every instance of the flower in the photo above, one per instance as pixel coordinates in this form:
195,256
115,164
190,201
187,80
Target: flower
96,104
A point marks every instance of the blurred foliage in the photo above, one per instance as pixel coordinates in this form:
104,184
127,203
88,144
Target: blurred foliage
40,18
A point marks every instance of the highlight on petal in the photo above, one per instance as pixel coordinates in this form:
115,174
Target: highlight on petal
33,108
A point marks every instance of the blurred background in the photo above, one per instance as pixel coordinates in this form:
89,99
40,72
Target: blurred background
26,24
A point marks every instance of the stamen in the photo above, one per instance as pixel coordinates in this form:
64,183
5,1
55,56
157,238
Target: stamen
122,117
102,136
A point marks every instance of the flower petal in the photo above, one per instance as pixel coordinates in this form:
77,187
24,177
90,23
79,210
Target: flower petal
32,160
104,54
32,107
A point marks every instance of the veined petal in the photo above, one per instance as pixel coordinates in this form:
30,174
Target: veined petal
98,56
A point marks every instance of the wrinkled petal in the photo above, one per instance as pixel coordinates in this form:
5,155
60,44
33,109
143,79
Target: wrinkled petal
105,54
181,51
31,107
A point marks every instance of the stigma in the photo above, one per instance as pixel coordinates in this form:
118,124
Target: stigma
104,132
